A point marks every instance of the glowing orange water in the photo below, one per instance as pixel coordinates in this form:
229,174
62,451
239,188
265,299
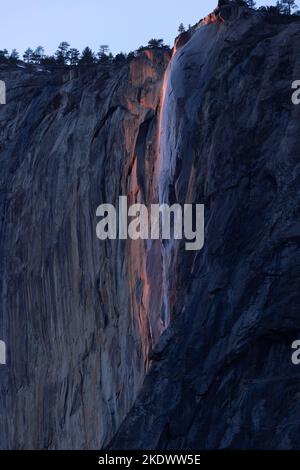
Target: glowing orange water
161,112
160,121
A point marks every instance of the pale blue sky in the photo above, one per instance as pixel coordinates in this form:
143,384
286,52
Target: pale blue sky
124,25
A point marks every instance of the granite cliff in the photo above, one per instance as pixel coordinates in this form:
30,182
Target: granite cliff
222,376
74,310
142,342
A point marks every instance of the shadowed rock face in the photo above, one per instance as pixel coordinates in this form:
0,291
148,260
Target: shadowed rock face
73,309
80,316
222,375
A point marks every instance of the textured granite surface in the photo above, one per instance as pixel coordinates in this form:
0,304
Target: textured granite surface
222,375
85,320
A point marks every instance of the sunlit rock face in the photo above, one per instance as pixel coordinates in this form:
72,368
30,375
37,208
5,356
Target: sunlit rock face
75,312
229,137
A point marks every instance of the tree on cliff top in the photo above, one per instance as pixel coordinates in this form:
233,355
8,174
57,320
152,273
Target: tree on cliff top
14,56
62,53
27,56
103,55
38,55
289,6
74,56
3,55
103,50
87,57
120,59
181,28
156,43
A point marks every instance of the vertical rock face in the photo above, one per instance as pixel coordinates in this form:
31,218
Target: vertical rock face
74,311
80,316
222,375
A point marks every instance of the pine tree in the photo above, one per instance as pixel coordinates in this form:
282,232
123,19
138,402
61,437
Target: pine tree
120,59
74,56
14,56
156,43
280,8
289,6
62,53
130,56
38,55
27,56
87,57
3,55
103,50
103,55
181,28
